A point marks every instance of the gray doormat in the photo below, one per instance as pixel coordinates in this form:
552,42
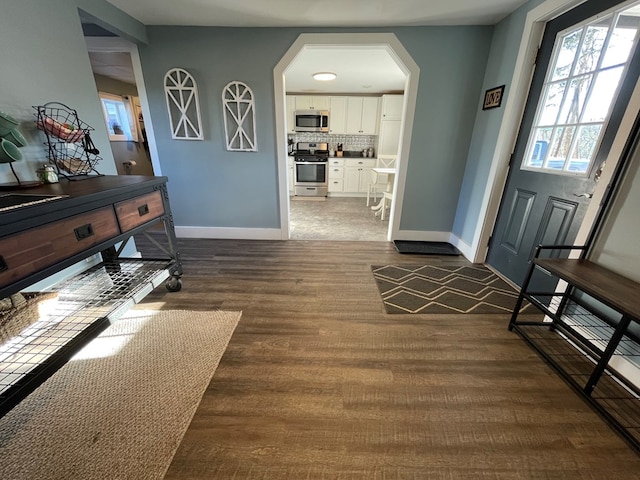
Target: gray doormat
425,248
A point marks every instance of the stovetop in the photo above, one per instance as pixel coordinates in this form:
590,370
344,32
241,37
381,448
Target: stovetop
312,152
307,157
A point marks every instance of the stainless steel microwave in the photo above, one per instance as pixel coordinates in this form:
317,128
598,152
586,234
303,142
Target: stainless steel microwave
311,120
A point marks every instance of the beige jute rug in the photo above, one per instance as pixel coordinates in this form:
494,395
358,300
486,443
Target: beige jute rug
120,407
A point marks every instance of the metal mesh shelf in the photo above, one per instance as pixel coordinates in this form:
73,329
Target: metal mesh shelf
613,399
80,308
591,329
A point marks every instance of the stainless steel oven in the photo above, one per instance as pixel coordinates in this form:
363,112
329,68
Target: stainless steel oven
311,172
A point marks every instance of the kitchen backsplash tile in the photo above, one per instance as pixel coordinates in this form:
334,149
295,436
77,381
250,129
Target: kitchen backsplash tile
349,142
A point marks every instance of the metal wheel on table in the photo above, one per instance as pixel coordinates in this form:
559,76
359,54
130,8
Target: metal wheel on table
174,284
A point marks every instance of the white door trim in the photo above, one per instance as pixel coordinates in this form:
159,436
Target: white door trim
514,108
412,72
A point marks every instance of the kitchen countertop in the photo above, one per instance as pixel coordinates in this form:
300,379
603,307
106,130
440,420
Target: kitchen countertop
345,154
354,154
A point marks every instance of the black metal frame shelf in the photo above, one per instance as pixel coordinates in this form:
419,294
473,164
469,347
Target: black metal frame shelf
588,346
83,307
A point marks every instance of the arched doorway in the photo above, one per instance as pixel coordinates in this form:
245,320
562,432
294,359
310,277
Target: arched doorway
404,61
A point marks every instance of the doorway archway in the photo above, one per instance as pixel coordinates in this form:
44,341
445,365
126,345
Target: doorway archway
404,61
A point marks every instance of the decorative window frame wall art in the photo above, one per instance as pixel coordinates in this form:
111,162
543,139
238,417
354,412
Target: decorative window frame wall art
239,117
493,97
183,105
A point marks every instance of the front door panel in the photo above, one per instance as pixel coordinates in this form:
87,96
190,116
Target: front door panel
586,71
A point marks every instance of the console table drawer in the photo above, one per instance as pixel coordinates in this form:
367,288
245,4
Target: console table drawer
28,252
139,210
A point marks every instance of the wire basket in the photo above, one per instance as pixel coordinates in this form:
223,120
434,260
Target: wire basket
68,143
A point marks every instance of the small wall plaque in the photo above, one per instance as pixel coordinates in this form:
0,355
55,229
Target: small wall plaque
493,98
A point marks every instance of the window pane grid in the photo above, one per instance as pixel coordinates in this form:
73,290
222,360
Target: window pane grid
578,94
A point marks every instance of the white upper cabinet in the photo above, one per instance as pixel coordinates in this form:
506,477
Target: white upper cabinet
362,115
312,102
338,115
370,115
392,107
291,108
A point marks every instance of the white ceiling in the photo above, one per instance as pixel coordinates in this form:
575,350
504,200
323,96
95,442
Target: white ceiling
360,70
113,64
317,13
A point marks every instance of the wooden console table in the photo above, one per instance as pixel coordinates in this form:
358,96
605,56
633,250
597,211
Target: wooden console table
46,229
598,311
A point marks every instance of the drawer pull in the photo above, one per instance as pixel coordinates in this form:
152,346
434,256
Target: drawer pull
3,264
83,232
143,210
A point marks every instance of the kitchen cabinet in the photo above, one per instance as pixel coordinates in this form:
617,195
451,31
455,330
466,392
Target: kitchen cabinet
312,102
362,115
291,174
336,175
389,137
290,119
338,115
390,121
391,108
357,174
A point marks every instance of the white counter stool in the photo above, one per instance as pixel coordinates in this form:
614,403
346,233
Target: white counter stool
387,196
380,180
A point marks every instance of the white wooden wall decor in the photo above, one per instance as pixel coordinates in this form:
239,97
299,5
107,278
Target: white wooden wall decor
239,117
183,104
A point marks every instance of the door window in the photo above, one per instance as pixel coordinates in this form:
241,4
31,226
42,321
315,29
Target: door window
579,90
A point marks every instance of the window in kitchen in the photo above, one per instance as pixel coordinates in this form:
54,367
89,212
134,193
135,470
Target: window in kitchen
181,92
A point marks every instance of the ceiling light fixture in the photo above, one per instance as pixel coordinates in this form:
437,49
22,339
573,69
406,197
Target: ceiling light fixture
324,76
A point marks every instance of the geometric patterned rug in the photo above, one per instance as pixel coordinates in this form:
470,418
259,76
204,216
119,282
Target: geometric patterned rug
444,289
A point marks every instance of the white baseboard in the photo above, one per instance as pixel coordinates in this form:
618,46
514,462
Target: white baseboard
347,195
229,233
464,248
276,234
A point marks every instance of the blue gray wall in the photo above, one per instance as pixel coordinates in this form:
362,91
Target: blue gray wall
499,71
211,187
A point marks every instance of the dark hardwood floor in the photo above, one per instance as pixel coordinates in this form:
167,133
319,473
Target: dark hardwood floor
318,382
